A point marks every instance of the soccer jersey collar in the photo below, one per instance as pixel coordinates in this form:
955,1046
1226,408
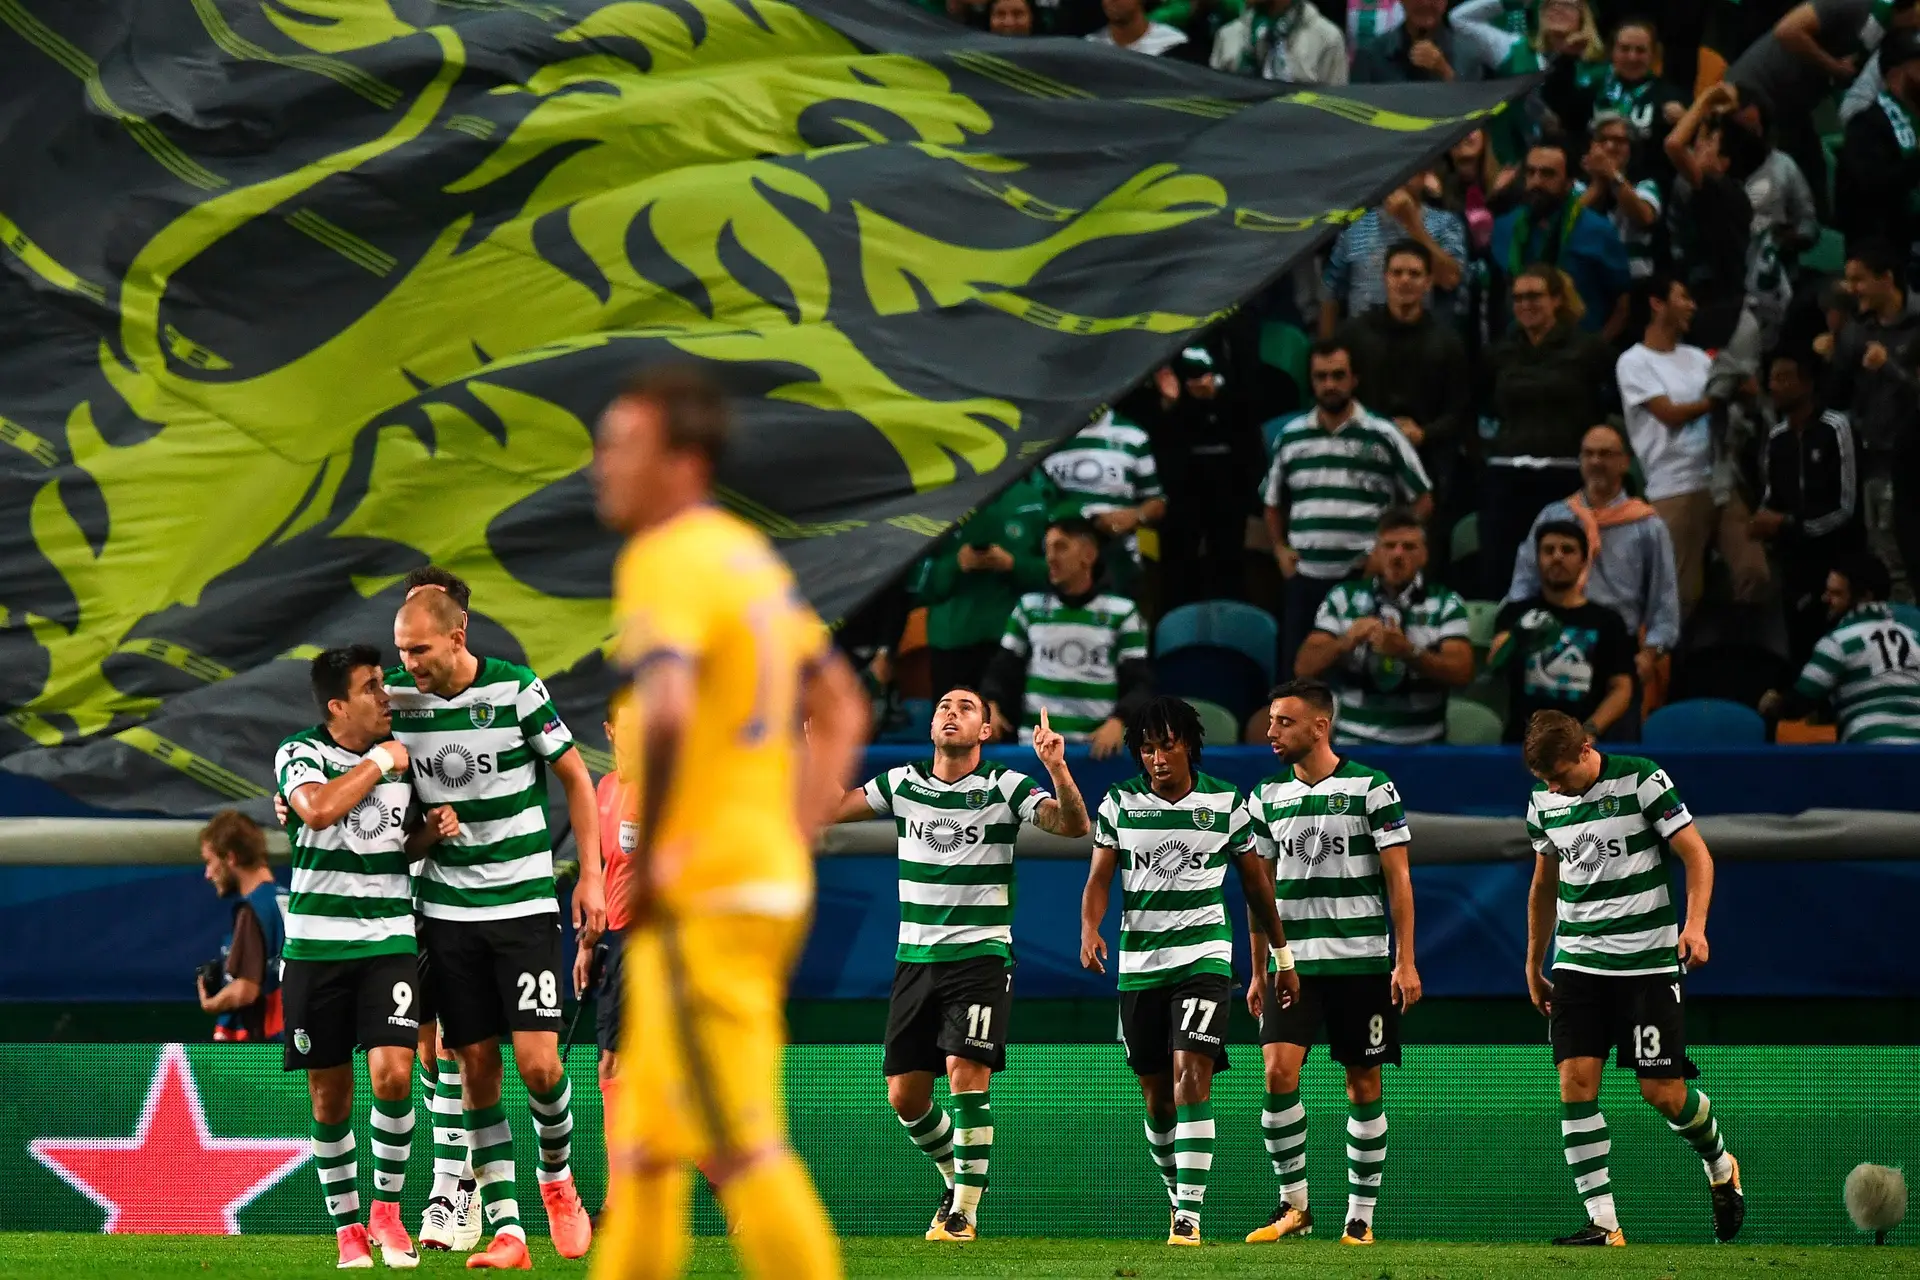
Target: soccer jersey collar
926,771
1339,763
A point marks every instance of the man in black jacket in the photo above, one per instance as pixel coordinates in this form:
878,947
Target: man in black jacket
1810,510
1870,376
1416,372
1205,441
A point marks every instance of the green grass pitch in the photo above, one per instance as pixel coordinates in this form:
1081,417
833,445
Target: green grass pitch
279,1257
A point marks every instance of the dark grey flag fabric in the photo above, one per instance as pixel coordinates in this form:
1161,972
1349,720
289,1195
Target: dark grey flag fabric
300,295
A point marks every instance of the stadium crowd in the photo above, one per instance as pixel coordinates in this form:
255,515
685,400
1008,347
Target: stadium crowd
1613,408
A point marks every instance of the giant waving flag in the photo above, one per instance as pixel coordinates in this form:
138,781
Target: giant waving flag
301,294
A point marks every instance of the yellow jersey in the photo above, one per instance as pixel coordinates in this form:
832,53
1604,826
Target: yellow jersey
708,589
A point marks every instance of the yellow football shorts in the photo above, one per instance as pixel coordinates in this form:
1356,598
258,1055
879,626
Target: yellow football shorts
705,1027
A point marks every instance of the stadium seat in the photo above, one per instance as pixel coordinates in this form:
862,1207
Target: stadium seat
1804,733
1225,624
1221,726
1465,540
1704,722
1480,619
1827,256
1212,673
1469,724
909,723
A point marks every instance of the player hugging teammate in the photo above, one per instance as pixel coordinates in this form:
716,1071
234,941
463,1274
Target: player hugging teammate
453,825
350,977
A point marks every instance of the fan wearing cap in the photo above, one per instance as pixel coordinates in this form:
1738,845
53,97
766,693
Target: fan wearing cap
1204,436
1879,170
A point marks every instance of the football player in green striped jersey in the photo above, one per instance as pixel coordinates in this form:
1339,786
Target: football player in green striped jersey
1604,827
1337,834
1171,833
958,817
350,977
483,733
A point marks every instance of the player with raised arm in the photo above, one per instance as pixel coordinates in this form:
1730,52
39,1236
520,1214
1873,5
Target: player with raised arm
957,818
1338,837
1603,826
746,726
482,733
349,976
1171,832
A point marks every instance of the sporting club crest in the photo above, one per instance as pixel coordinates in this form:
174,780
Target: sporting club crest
1203,819
481,715
1609,806
976,799
1337,804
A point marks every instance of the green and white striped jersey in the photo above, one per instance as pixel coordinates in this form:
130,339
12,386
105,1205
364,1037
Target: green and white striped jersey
956,857
483,751
1108,464
1073,655
1869,667
1615,913
1325,842
1173,869
1333,485
1385,699
351,894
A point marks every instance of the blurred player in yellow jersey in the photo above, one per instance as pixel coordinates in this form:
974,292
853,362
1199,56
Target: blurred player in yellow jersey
728,665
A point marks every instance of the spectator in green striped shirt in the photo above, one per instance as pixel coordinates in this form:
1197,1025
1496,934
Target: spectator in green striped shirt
1335,470
1392,644
1077,650
1867,667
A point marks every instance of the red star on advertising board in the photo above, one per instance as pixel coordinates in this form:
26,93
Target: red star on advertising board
171,1176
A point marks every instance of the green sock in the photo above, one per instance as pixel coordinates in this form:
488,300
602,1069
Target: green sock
1284,1123
933,1134
1702,1132
449,1130
492,1140
1583,1135
1160,1142
553,1125
392,1140
1193,1155
339,1172
972,1148
1366,1156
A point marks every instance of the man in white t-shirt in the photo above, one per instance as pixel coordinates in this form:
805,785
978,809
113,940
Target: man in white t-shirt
1663,386
1129,28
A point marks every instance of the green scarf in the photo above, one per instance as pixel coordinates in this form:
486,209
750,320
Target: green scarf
1879,22
1523,229
1270,33
1617,95
1902,124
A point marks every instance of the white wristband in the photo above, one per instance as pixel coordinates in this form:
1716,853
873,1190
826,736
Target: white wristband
1282,959
382,757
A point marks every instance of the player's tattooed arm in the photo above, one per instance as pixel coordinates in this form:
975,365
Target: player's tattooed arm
1066,814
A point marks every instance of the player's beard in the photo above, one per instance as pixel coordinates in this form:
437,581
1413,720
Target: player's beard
1291,756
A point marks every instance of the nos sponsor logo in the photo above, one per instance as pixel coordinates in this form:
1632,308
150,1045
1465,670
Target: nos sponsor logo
1314,846
943,835
455,766
1588,850
1076,655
